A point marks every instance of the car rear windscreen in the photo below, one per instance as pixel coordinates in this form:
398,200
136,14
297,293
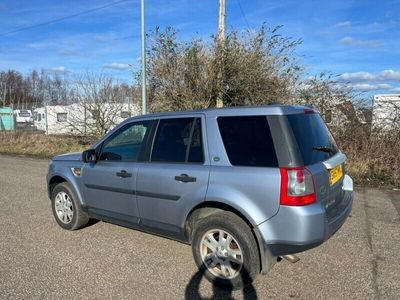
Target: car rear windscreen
248,141
313,138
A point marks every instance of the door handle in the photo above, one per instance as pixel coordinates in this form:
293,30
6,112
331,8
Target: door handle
185,178
123,174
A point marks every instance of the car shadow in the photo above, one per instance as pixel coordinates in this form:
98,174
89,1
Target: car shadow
192,290
92,222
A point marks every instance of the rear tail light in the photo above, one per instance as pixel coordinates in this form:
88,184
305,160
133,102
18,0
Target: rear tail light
309,111
297,187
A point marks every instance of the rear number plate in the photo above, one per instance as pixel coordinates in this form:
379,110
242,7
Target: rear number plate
335,174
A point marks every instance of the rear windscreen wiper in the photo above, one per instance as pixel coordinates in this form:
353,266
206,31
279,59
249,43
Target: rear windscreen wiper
323,149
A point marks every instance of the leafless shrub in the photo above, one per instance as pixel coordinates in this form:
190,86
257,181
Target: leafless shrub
258,68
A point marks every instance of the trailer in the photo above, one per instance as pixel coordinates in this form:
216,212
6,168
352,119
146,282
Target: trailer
386,111
78,119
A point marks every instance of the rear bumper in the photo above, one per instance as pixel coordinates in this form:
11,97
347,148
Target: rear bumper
296,229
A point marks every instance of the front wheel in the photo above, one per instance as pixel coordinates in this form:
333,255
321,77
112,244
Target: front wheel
67,211
224,247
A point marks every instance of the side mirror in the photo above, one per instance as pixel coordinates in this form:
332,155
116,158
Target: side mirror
89,156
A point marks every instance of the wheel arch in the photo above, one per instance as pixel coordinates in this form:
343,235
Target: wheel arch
59,178
208,208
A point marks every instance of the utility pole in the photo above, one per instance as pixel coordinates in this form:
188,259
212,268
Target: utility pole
221,22
221,52
144,96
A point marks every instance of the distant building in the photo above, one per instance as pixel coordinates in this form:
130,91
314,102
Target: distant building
386,111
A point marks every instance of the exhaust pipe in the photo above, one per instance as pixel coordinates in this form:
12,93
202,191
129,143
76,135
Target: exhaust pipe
292,258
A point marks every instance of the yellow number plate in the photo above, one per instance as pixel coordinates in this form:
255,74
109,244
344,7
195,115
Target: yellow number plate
336,173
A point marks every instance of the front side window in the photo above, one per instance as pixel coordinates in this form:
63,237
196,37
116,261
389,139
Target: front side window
62,117
248,141
178,140
127,144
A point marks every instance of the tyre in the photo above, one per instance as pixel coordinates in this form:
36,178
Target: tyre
66,209
224,249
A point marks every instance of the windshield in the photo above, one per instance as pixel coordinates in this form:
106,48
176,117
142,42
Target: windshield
313,138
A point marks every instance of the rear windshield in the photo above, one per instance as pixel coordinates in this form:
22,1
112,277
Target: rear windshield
248,141
313,138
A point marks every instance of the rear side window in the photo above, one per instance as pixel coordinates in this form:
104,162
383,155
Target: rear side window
248,141
313,138
178,140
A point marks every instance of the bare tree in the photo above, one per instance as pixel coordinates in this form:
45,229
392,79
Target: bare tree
100,104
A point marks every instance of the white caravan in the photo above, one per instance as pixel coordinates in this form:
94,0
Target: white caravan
386,111
74,119
23,116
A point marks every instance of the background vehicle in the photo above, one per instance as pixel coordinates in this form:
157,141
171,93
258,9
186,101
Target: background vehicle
23,116
242,185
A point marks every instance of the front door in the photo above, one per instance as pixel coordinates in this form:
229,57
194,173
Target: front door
110,183
175,178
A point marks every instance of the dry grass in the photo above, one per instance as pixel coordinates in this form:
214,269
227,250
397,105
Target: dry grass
40,145
373,159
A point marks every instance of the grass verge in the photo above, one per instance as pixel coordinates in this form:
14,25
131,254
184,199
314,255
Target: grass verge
40,145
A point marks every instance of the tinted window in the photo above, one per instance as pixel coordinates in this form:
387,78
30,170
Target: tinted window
128,143
248,141
177,140
310,132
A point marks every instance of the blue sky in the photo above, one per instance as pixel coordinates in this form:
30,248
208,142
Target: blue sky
357,40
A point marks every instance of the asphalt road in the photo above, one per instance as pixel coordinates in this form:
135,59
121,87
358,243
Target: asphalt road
40,260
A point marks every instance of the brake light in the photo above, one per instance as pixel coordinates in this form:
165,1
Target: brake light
309,111
297,187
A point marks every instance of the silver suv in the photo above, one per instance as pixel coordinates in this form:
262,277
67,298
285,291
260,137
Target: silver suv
244,186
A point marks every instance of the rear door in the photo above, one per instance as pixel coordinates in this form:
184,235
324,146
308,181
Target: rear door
319,152
110,183
175,178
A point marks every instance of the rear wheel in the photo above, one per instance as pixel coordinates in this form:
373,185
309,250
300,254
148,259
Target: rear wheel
66,209
224,247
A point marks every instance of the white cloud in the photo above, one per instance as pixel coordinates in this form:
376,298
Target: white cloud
357,76
395,90
343,24
364,87
57,70
348,40
116,66
366,81
390,75
385,75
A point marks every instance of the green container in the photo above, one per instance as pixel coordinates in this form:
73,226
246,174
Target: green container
6,119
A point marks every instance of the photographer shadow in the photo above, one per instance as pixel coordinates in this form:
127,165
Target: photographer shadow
192,291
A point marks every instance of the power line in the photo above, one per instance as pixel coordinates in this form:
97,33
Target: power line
63,18
243,14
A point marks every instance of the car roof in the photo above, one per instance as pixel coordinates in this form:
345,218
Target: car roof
277,109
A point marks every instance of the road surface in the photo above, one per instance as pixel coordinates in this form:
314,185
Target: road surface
39,260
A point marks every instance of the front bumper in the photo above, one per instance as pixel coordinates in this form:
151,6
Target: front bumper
298,228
